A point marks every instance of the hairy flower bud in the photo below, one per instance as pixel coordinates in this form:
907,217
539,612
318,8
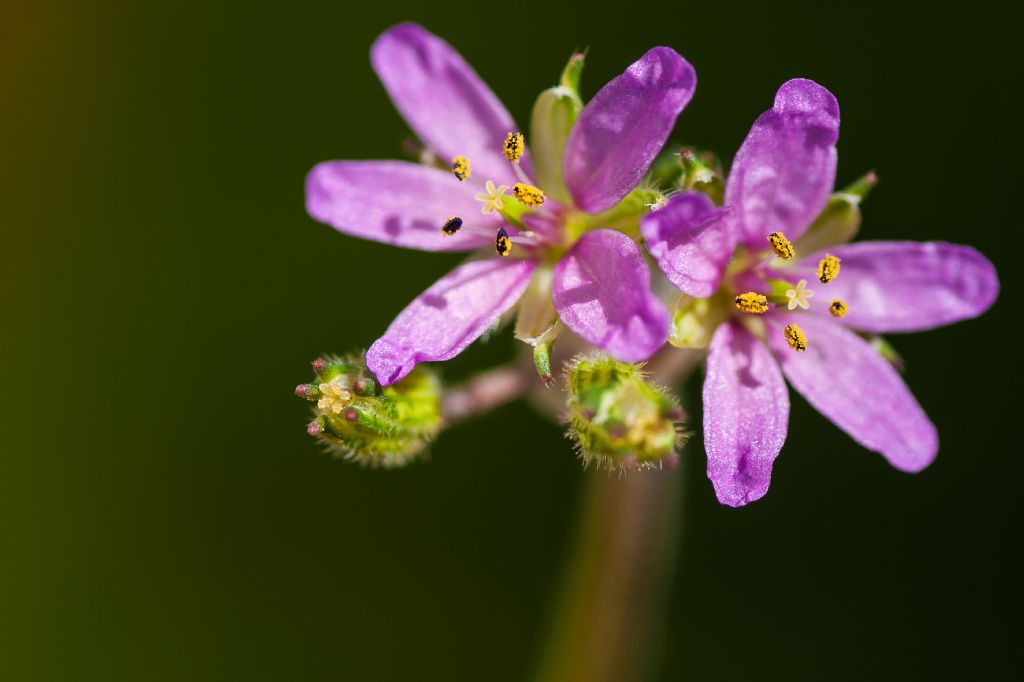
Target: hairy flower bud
359,420
702,171
618,419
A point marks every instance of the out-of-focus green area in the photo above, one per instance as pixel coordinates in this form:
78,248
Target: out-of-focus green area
163,514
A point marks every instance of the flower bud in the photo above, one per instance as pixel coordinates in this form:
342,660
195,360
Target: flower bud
358,419
702,172
618,419
554,114
839,220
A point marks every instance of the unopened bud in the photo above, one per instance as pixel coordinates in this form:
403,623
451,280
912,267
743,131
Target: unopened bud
839,221
365,385
620,420
702,171
308,392
315,427
359,420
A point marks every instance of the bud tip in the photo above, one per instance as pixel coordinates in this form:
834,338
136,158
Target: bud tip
315,427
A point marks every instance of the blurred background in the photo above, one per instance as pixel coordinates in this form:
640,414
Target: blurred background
163,514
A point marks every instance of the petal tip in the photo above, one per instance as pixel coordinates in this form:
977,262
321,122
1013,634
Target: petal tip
387,363
802,95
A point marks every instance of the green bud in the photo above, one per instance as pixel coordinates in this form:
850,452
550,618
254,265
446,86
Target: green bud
694,320
618,419
378,426
702,172
554,115
840,220
666,171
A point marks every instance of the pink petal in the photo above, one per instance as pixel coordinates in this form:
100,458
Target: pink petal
444,101
907,286
746,412
851,384
689,239
785,170
448,316
602,291
395,202
625,125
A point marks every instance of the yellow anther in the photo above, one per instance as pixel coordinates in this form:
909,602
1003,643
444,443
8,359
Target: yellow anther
451,226
828,268
798,296
795,338
782,247
838,308
502,243
460,168
527,194
752,302
492,197
514,146
334,397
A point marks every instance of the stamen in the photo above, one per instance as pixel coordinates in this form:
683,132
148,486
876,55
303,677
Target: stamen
782,247
799,296
795,338
502,243
528,194
492,197
460,168
451,226
514,146
828,268
752,302
837,308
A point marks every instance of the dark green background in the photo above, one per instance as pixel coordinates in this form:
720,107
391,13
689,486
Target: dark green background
164,516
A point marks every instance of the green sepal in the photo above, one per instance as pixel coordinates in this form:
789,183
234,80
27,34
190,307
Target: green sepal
887,351
694,320
554,114
624,216
702,172
666,171
839,221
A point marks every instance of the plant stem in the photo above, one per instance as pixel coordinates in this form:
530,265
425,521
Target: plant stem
487,391
609,621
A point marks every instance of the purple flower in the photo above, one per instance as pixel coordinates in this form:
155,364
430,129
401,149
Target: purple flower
780,181
600,286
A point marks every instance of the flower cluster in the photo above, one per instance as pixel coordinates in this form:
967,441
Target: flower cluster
565,223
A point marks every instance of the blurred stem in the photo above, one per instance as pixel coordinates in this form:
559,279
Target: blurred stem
610,621
487,391
611,618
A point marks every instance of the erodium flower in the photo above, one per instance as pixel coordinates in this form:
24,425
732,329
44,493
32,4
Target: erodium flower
546,224
783,300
